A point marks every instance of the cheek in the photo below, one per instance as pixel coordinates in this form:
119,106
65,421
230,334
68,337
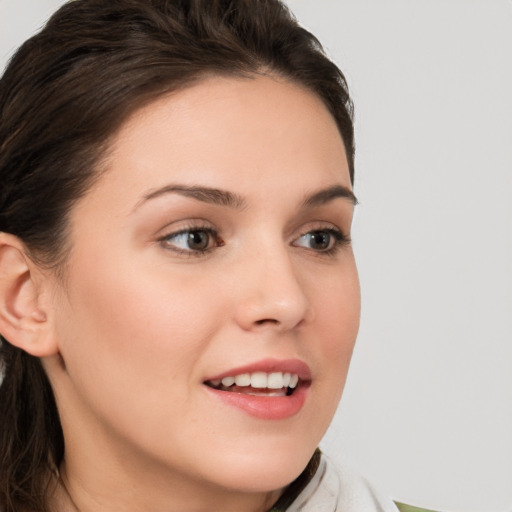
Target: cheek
138,336
337,314
137,303
337,306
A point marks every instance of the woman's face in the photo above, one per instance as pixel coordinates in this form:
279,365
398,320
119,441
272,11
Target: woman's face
215,245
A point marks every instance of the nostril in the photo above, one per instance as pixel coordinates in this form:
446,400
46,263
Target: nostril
267,320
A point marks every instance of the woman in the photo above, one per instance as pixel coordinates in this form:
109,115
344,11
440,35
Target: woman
178,294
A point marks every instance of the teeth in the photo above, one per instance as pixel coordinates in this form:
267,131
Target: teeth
228,381
294,381
275,381
259,380
243,380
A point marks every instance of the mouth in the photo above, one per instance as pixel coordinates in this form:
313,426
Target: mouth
270,389
274,384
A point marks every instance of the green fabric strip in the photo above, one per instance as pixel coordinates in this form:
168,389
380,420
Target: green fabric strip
409,508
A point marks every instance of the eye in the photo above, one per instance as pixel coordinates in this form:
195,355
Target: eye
190,241
322,240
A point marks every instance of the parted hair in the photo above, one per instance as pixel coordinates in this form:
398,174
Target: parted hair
63,96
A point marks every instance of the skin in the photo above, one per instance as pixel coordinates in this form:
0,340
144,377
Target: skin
140,320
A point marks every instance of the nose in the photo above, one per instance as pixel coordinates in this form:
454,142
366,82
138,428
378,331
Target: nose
270,294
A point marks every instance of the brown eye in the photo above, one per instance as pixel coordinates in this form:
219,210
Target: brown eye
191,241
321,240
198,240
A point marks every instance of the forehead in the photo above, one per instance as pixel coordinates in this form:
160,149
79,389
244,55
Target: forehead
221,130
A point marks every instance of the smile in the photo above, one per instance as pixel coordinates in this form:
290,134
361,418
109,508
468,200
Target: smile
270,389
258,383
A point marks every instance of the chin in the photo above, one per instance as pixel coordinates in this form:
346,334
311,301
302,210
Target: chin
262,470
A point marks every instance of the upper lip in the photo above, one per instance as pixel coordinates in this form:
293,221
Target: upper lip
269,366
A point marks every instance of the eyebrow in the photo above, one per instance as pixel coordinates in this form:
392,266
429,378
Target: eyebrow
204,194
224,198
328,194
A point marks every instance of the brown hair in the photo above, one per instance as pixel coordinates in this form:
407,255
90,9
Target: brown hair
62,97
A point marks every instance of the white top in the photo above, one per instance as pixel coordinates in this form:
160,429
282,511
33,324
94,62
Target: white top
339,490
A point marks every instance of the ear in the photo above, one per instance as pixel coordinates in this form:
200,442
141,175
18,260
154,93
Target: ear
24,304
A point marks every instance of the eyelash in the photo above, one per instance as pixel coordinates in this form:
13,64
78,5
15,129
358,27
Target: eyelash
339,240
164,240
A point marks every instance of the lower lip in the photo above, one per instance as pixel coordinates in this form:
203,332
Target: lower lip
265,407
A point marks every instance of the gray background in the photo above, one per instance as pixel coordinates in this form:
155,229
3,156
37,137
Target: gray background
427,413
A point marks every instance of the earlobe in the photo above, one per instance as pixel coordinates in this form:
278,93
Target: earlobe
24,320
